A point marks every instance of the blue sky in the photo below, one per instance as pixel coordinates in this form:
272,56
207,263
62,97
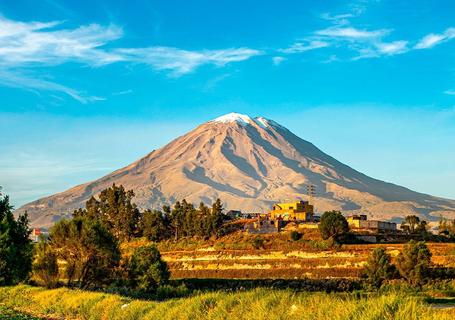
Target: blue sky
89,86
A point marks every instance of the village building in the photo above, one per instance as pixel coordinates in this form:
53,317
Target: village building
35,234
361,223
293,211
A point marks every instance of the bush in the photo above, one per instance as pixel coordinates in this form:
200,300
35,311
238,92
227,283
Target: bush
414,262
295,235
333,225
147,270
45,267
258,243
90,252
379,268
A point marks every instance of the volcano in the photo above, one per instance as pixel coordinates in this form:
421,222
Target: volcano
249,163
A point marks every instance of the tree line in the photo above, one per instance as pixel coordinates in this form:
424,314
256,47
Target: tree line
85,252
116,211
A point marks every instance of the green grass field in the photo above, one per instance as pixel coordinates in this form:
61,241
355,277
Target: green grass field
251,304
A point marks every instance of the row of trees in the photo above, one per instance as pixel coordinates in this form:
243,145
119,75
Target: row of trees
115,210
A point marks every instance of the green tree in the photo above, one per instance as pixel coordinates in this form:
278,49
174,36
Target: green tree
147,270
16,250
45,266
414,262
89,250
412,222
217,217
155,225
333,225
379,267
115,210
177,216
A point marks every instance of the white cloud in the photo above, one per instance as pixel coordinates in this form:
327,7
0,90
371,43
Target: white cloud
34,42
299,47
123,92
433,39
180,62
39,43
392,48
25,45
18,80
351,33
277,60
450,92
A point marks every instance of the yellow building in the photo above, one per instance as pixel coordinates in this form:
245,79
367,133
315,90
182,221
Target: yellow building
292,211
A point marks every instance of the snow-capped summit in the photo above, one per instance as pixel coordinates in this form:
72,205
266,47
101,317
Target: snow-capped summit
234,117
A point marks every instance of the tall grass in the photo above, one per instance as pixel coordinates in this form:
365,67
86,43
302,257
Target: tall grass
252,304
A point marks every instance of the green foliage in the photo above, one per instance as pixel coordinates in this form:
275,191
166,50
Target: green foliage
379,268
15,246
89,250
413,225
295,235
258,243
147,269
333,225
414,262
155,225
115,210
184,220
45,266
447,228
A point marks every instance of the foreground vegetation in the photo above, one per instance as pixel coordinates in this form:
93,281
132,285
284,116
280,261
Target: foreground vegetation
252,304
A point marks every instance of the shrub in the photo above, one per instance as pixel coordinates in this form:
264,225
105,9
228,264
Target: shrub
295,235
379,268
258,243
45,267
89,250
147,270
333,225
414,262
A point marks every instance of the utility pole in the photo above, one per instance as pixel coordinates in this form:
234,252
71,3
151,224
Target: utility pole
311,191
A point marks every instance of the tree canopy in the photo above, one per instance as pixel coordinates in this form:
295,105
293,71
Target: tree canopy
16,249
89,250
379,267
333,225
414,262
114,208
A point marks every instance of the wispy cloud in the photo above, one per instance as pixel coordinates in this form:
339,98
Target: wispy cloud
40,43
25,45
351,33
123,92
180,62
18,80
450,92
433,39
277,60
299,47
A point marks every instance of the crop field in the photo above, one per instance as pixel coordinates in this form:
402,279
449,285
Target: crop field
296,260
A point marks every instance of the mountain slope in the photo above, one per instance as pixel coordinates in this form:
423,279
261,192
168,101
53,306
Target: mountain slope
249,164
